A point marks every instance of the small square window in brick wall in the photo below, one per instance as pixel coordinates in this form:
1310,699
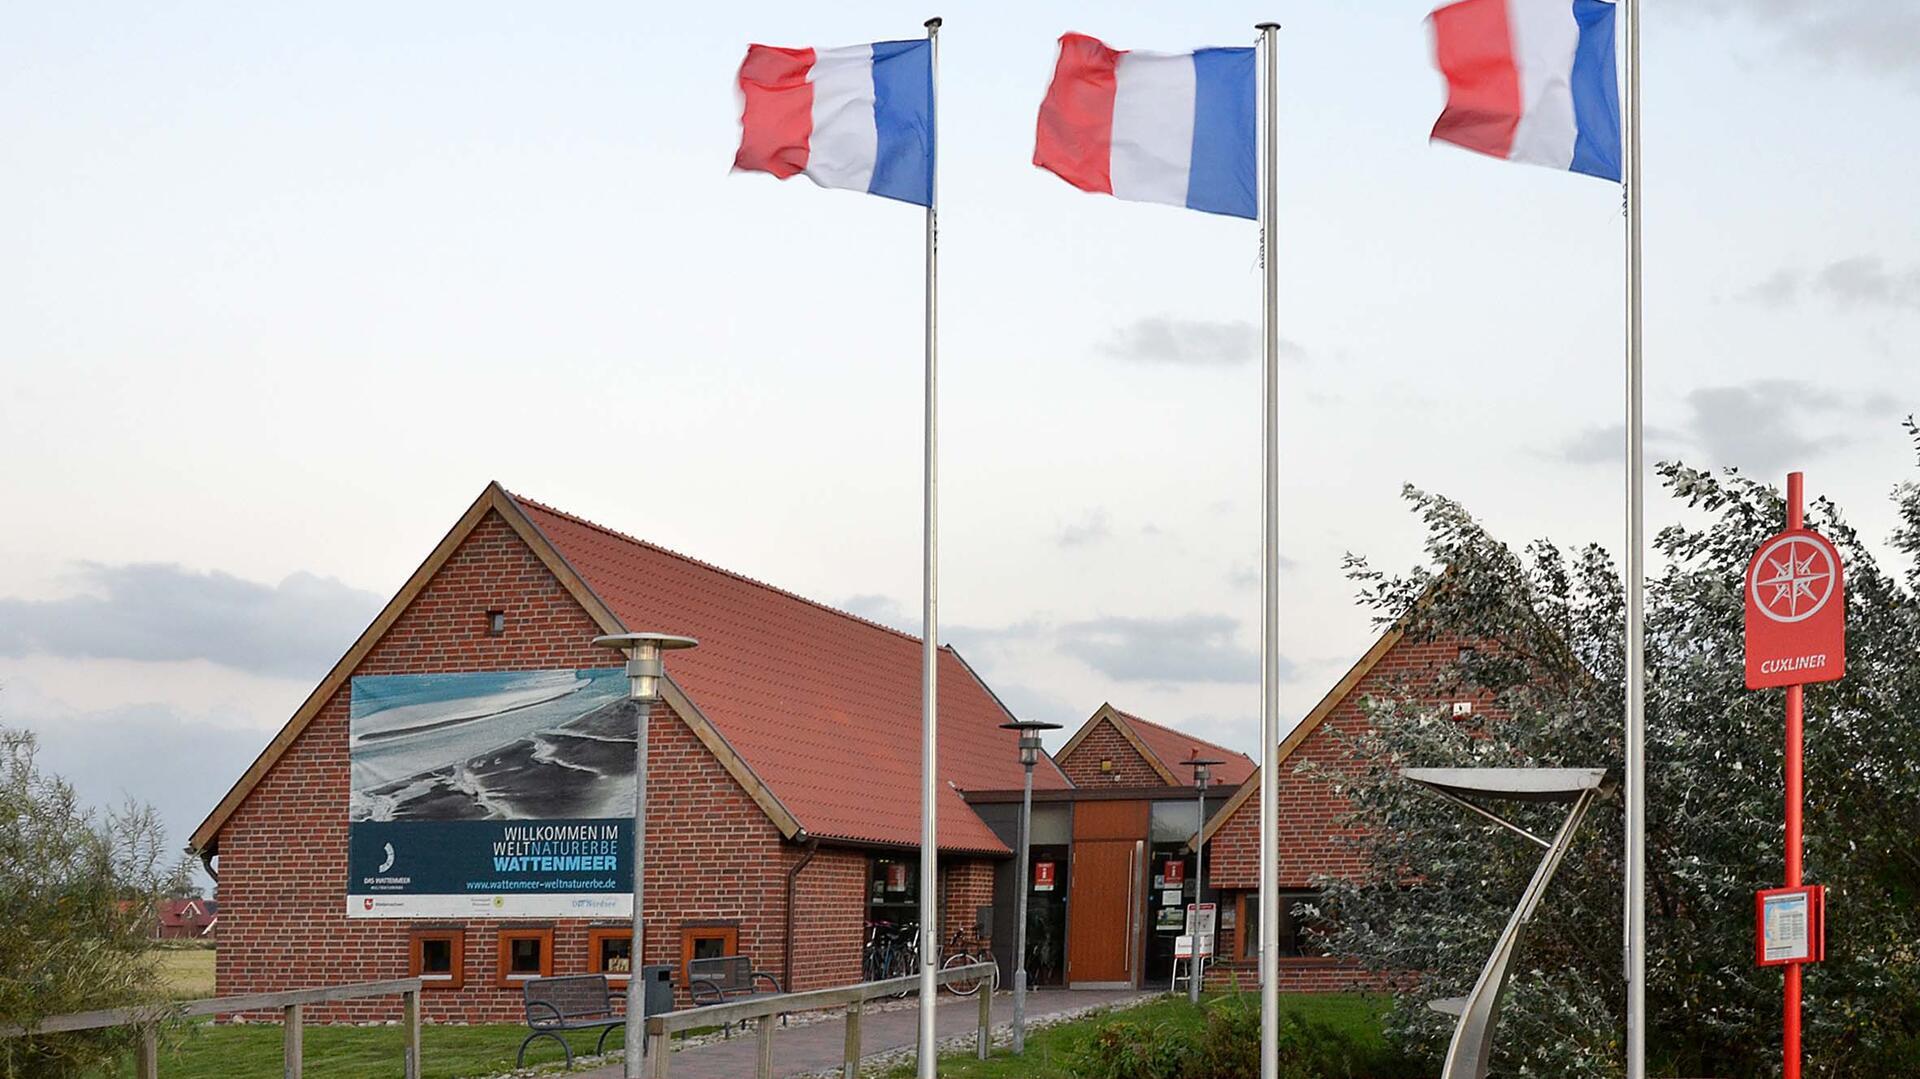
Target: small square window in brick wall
1105,742
1309,811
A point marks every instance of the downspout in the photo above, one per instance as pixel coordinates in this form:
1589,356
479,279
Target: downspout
786,963
206,862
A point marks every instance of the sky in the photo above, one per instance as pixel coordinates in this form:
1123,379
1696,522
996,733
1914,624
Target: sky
286,287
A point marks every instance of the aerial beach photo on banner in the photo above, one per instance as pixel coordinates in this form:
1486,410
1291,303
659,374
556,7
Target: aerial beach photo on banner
491,794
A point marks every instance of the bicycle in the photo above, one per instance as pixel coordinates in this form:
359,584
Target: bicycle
891,952
963,950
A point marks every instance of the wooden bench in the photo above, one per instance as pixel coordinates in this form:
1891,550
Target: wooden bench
575,1002
726,979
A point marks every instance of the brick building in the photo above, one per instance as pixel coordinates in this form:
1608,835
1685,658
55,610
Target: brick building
1112,872
1310,828
783,789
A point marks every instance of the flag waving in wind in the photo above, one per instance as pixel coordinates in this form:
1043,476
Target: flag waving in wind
1531,80
859,117
1153,127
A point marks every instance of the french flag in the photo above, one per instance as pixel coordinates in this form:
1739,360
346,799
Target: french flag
859,117
1177,128
1531,80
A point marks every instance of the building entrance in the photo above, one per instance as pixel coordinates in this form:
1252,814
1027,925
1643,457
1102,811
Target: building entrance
1105,899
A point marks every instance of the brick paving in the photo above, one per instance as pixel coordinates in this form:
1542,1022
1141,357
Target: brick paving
821,1045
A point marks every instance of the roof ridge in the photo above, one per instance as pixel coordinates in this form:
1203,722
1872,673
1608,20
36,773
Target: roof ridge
1189,737
702,563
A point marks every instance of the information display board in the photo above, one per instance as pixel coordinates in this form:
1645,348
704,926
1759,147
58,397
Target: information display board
1790,925
491,794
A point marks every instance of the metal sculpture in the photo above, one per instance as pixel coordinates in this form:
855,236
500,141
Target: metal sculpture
1579,788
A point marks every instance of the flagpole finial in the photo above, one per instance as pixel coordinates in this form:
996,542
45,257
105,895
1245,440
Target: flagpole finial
933,23
1266,26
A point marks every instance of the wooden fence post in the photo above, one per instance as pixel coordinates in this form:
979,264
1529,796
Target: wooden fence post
410,1004
147,1064
764,1070
851,1068
660,1050
983,1038
292,1030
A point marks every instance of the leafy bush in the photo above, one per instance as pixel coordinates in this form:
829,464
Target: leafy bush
1228,1047
78,891
1442,883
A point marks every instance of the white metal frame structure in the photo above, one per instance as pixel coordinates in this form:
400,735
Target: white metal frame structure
1479,1011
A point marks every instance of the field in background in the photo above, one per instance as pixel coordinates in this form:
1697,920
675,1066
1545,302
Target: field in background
186,970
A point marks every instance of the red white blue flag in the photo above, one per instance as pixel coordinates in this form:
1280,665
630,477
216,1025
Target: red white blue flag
1177,128
859,117
1531,80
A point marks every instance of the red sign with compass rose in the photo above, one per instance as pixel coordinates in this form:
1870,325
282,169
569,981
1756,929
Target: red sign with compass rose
1796,612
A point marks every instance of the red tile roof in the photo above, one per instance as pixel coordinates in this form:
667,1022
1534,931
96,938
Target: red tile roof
822,705
1173,746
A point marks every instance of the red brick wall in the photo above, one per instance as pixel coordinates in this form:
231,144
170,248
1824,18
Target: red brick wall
830,918
712,854
1297,974
966,886
1130,769
1308,809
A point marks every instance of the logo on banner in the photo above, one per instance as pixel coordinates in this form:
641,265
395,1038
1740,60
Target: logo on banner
388,862
1796,623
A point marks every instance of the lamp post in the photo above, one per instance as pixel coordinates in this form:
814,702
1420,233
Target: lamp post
1202,778
645,654
1029,756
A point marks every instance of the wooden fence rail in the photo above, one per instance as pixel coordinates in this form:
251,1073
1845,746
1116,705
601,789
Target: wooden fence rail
766,1012
291,1004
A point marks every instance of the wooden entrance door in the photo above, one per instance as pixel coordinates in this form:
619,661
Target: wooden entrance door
1101,910
1103,893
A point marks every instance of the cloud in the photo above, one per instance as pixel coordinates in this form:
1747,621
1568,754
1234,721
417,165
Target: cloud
1091,529
1755,426
1245,576
1191,343
1876,35
1782,289
1865,281
885,610
1859,281
148,753
1185,648
162,612
1607,444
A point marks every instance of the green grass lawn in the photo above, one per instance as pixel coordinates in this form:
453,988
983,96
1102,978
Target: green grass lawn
1050,1052
205,1051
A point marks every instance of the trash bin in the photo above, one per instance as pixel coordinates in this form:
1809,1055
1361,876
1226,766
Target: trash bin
657,983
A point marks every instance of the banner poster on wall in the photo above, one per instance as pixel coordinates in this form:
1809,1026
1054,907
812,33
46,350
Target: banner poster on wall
491,795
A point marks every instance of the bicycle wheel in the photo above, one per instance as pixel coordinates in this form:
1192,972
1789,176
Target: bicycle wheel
966,985
900,960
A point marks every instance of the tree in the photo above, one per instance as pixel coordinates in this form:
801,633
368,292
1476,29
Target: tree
1549,648
78,892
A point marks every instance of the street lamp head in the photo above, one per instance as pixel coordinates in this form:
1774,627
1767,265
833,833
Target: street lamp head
645,665
1202,769
1029,737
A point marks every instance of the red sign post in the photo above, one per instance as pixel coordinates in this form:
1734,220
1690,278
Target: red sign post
1796,632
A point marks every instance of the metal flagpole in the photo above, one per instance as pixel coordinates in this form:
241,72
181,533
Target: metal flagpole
929,739
1269,573
1636,733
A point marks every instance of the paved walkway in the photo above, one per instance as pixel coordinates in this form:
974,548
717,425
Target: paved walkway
821,1045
